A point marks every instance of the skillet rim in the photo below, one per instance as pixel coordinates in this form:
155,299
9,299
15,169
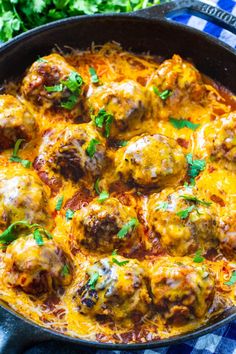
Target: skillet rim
205,329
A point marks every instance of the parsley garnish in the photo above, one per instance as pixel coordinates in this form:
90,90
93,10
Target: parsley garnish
73,83
194,167
93,280
162,206
122,143
163,95
41,60
16,158
59,203
104,120
115,260
65,270
232,279
104,195
55,88
70,103
38,237
10,233
183,123
131,224
94,76
191,198
96,186
91,149
198,258
183,214
69,214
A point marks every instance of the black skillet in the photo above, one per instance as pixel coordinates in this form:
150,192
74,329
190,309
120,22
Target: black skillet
141,31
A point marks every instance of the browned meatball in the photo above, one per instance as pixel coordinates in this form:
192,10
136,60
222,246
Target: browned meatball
34,268
75,151
55,85
116,291
16,122
181,290
127,101
151,161
97,226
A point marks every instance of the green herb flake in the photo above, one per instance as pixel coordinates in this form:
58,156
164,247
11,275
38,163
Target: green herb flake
96,186
163,95
65,270
93,280
183,123
104,195
59,203
55,88
122,143
73,82
38,237
194,199
91,149
16,158
41,60
183,214
131,224
70,103
94,76
104,120
122,263
162,206
198,258
232,279
69,214
194,167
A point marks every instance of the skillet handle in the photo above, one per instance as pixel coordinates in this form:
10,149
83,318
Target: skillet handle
194,7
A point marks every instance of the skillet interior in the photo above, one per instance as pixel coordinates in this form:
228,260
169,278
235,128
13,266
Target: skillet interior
140,35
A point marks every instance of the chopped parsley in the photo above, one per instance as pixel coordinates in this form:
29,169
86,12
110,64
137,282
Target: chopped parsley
115,260
183,123
94,76
93,280
91,149
70,103
194,167
183,214
55,88
232,279
163,95
191,198
104,120
198,258
162,206
104,195
69,214
96,186
65,270
38,237
73,82
131,224
16,158
122,143
59,203
41,60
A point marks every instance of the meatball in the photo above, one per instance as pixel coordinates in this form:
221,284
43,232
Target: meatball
23,197
116,291
55,85
151,161
227,235
74,151
97,225
127,101
34,268
183,221
181,291
16,122
218,141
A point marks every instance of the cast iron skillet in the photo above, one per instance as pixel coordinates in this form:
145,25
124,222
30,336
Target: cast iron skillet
146,30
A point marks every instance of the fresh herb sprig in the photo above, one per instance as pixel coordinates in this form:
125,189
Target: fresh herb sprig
194,167
130,225
183,123
116,261
16,158
103,120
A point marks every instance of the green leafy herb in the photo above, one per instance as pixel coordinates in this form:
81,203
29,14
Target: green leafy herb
16,158
104,120
198,258
96,186
91,149
194,167
191,198
41,60
183,214
104,195
74,82
55,88
69,214
38,237
70,103
93,280
162,206
59,203
122,143
94,76
183,123
65,270
122,263
232,279
132,223
163,95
